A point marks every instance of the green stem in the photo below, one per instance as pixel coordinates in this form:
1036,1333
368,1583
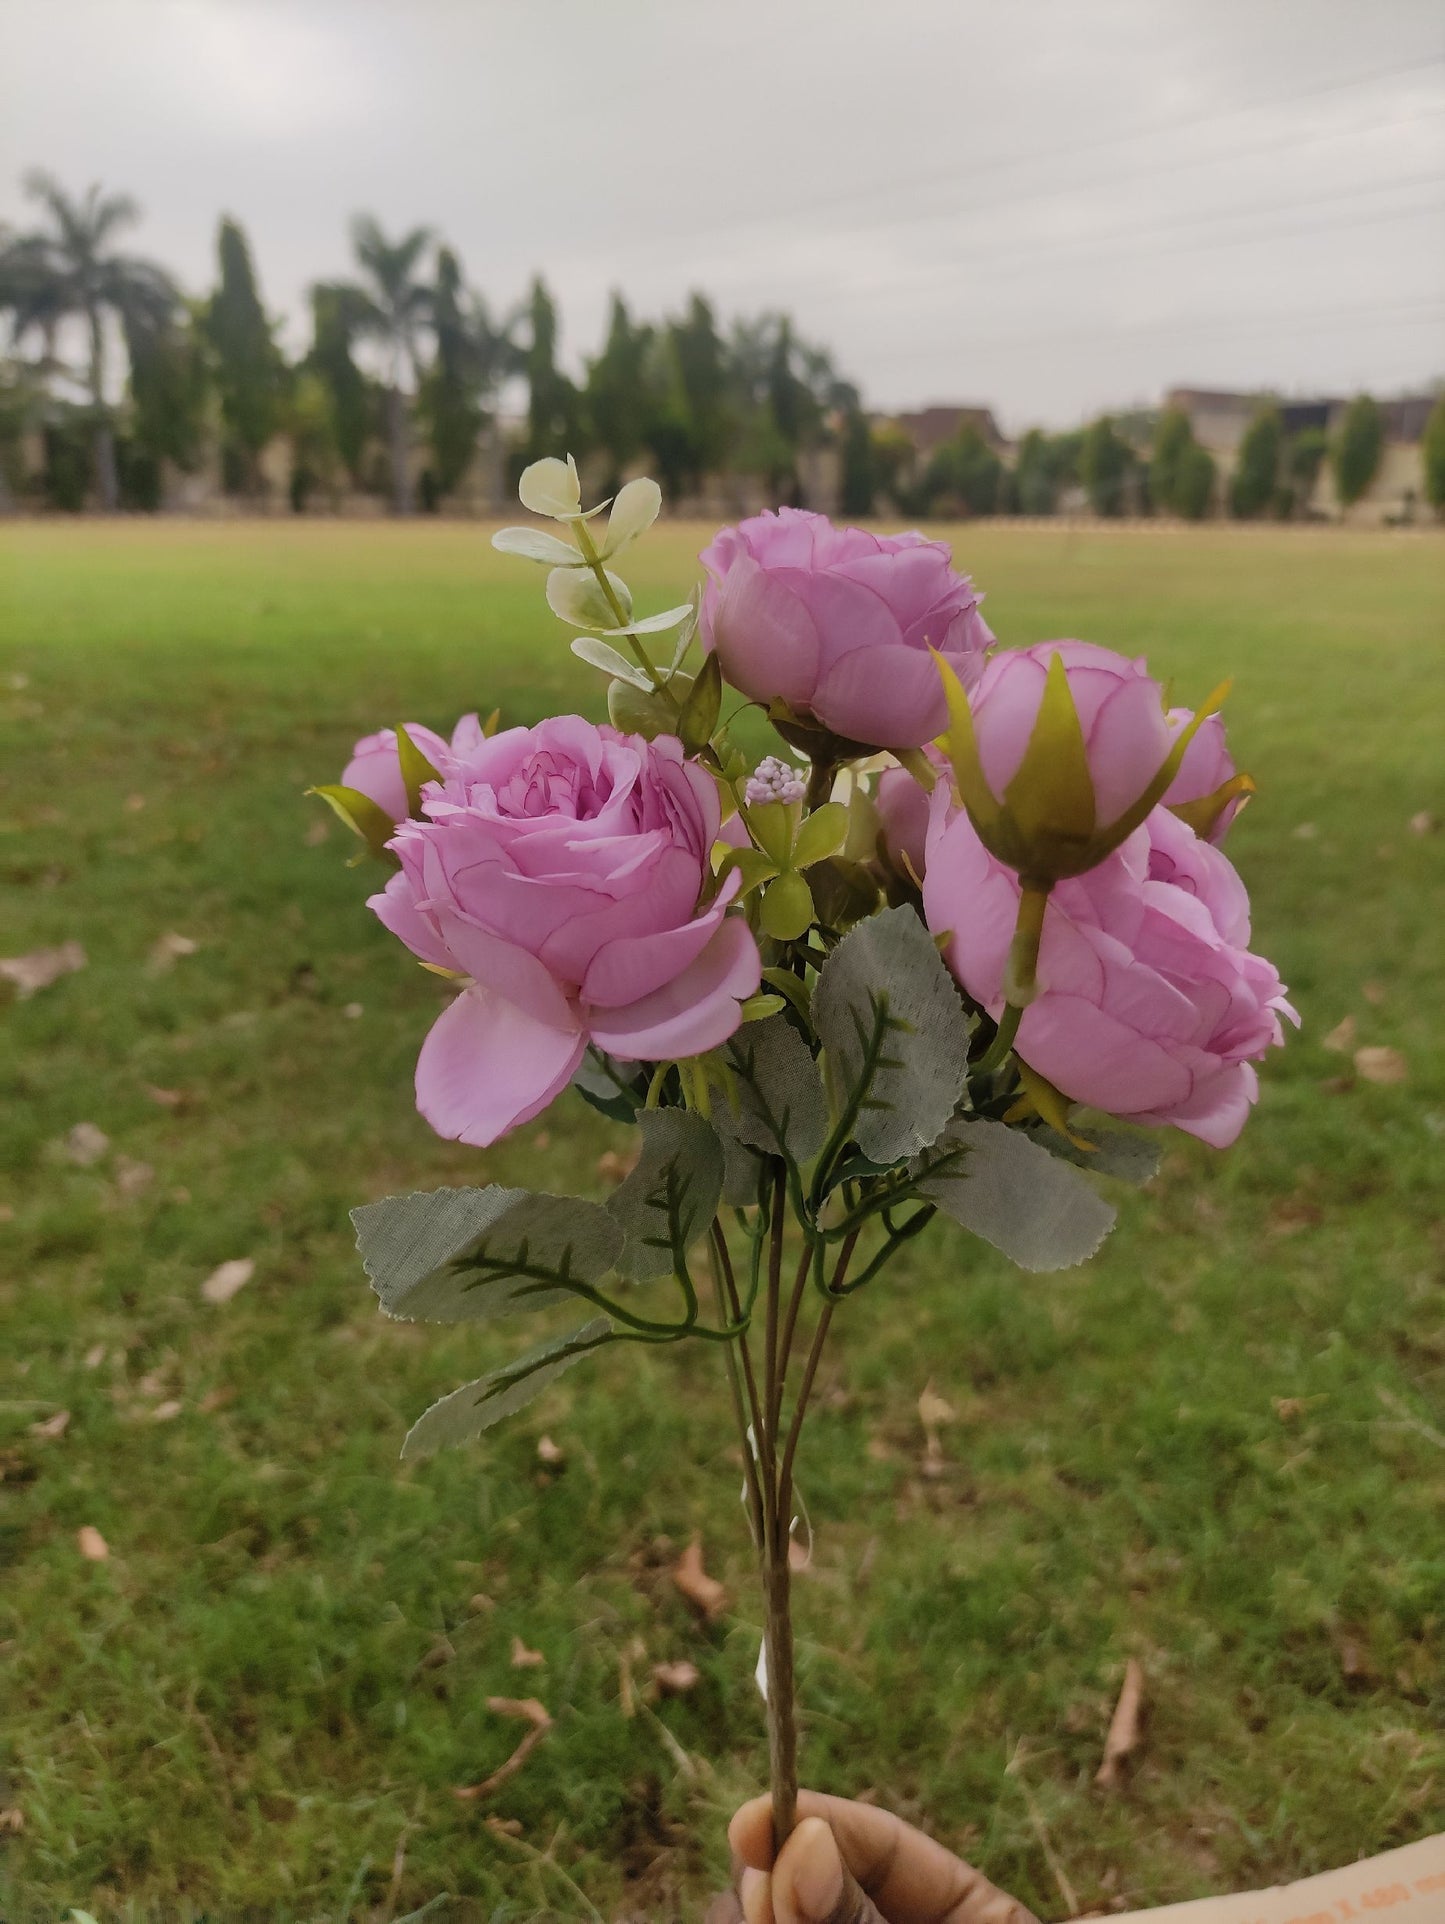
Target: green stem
820,784
996,1054
587,548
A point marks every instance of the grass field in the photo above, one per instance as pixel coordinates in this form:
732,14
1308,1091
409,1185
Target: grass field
1220,1449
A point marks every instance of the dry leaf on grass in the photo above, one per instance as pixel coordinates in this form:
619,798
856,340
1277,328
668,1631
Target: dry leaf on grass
168,1411
550,1453
91,1544
132,1176
1126,1727
319,832
167,950
50,1427
94,1356
676,1679
1341,1039
615,1167
12,1821
706,1595
1304,832
86,1144
526,1710
222,1283
932,1412
1381,1065
354,1011
480,1601
41,967
1424,823
523,1658
216,1399
164,1098
1374,993
503,1826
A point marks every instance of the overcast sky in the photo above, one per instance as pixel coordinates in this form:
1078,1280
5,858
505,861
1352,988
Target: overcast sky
1048,205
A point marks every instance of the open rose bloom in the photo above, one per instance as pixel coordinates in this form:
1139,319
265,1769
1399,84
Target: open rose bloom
841,988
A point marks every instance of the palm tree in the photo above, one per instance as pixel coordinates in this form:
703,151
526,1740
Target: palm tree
68,270
393,306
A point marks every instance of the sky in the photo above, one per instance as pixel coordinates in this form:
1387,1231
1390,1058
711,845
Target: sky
1047,206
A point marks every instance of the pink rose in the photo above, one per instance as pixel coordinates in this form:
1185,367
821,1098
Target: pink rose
559,869
1207,774
903,808
375,771
1149,1002
839,622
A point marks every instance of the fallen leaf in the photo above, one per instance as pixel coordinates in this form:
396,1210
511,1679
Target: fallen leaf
933,1411
439,1654
526,1710
523,1658
168,1411
164,1098
1126,1726
319,832
131,1176
41,967
1424,823
1374,993
94,1356
166,951
91,1544
1304,832
502,1826
549,1452
614,1166
1381,1064
1341,1039
676,1679
707,1596
50,1427
86,1144
222,1283
354,1011
479,1602
1288,1408
216,1399
134,804
12,1821
7,1214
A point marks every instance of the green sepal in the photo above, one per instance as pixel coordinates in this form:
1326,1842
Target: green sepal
1050,799
415,769
702,707
1120,830
960,744
787,908
822,834
1203,815
361,815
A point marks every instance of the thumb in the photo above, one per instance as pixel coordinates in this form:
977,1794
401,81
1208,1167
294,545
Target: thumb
812,1885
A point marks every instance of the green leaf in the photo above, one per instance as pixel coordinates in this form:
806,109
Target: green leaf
793,987
477,1406
578,597
636,712
781,1107
415,769
634,510
758,1007
751,864
888,1015
701,708
1005,1187
466,1255
361,815
551,487
843,892
535,544
601,654
1122,1153
672,1195
786,911
772,826
822,834
652,624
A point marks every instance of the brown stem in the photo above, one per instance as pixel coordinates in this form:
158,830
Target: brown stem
782,1714
820,784
790,1324
727,1301
772,1387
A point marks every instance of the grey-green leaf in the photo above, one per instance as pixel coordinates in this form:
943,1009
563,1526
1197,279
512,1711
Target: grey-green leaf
1122,1153
887,1012
672,1195
464,1255
1005,1187
477,1406
781,1106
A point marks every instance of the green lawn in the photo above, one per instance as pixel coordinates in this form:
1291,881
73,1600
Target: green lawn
1219,1448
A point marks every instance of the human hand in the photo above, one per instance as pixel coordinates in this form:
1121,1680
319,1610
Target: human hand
850,1863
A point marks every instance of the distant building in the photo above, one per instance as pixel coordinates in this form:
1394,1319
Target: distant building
931,427
1220,419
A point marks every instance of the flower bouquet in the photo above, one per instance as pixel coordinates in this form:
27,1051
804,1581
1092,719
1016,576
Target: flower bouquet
969,916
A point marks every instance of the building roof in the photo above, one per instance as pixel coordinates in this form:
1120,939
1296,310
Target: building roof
928,428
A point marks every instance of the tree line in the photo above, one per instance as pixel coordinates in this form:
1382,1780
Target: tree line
407,364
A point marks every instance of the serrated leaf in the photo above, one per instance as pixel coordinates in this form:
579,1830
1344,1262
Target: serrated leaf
551,487
672,1195
888,1014
416,768
781,1106
466,1255
477,1406
601,654
362,816
822,834
578,598
1005,1187
636,507
535,544
1122,1153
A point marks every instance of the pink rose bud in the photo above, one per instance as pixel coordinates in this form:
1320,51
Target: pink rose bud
1060,753
1206,792
559,868
375,770
838,623
1148,1003
903,807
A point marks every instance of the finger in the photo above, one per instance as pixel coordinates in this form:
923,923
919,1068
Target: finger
725,1910
756,1890
812,1885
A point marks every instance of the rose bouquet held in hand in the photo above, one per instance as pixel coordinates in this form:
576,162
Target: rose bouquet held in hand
919,969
